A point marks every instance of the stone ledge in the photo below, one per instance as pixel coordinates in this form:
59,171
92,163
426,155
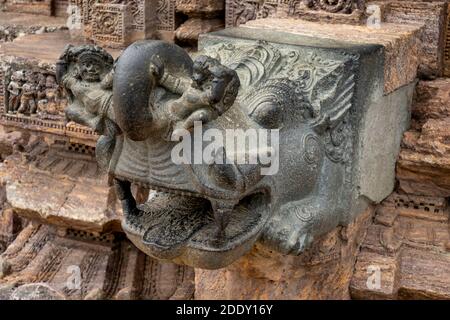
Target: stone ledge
59,190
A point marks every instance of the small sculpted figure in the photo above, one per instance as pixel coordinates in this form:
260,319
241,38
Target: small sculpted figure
40,88
52,96
205,98
84,73
27,101
15,91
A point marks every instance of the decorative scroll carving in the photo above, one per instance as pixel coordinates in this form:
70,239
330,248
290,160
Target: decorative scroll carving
109,24
241,11
136,8
114,23
165,13
332,6
87,10
447,47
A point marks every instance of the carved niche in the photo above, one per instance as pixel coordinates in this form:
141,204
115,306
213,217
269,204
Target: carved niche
28,92
315,100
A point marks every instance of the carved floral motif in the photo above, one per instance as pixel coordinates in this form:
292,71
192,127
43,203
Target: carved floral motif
241,11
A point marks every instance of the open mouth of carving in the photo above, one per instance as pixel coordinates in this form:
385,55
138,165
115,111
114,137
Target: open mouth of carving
182,229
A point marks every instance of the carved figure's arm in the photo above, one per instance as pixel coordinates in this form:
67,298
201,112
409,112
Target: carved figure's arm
175,85
11,87
77,113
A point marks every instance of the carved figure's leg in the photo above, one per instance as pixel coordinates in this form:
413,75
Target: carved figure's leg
123,190
17,103
290,230
33,106
23,105
12,104
202,115
77,113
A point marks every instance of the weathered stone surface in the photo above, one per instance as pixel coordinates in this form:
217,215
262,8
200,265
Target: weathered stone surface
204,8
405,254
11,141
10,225
36,291
41,48
189,31
107,267
401,43
13,25
431,101
41,7
424,161
75,192
432,15
239,12
323,272
127,21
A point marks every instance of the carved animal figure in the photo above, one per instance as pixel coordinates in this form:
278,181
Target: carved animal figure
209,214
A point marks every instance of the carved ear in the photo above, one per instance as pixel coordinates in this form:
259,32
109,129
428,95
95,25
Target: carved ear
332,98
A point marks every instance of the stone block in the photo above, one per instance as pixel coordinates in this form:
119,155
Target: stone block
43,7
201,8
239,12
189,31
433,16
407,259
400,42
424,162
111,24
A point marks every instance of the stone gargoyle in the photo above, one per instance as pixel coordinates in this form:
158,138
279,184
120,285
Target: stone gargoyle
209,213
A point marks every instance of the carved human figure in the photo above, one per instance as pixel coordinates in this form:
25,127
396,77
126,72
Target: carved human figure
27,101
84,73
202,100
40,87
15,91
52,95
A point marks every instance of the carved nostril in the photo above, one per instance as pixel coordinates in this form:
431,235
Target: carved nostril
223,175
267,115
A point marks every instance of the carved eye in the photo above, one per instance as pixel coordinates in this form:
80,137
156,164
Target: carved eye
267,114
